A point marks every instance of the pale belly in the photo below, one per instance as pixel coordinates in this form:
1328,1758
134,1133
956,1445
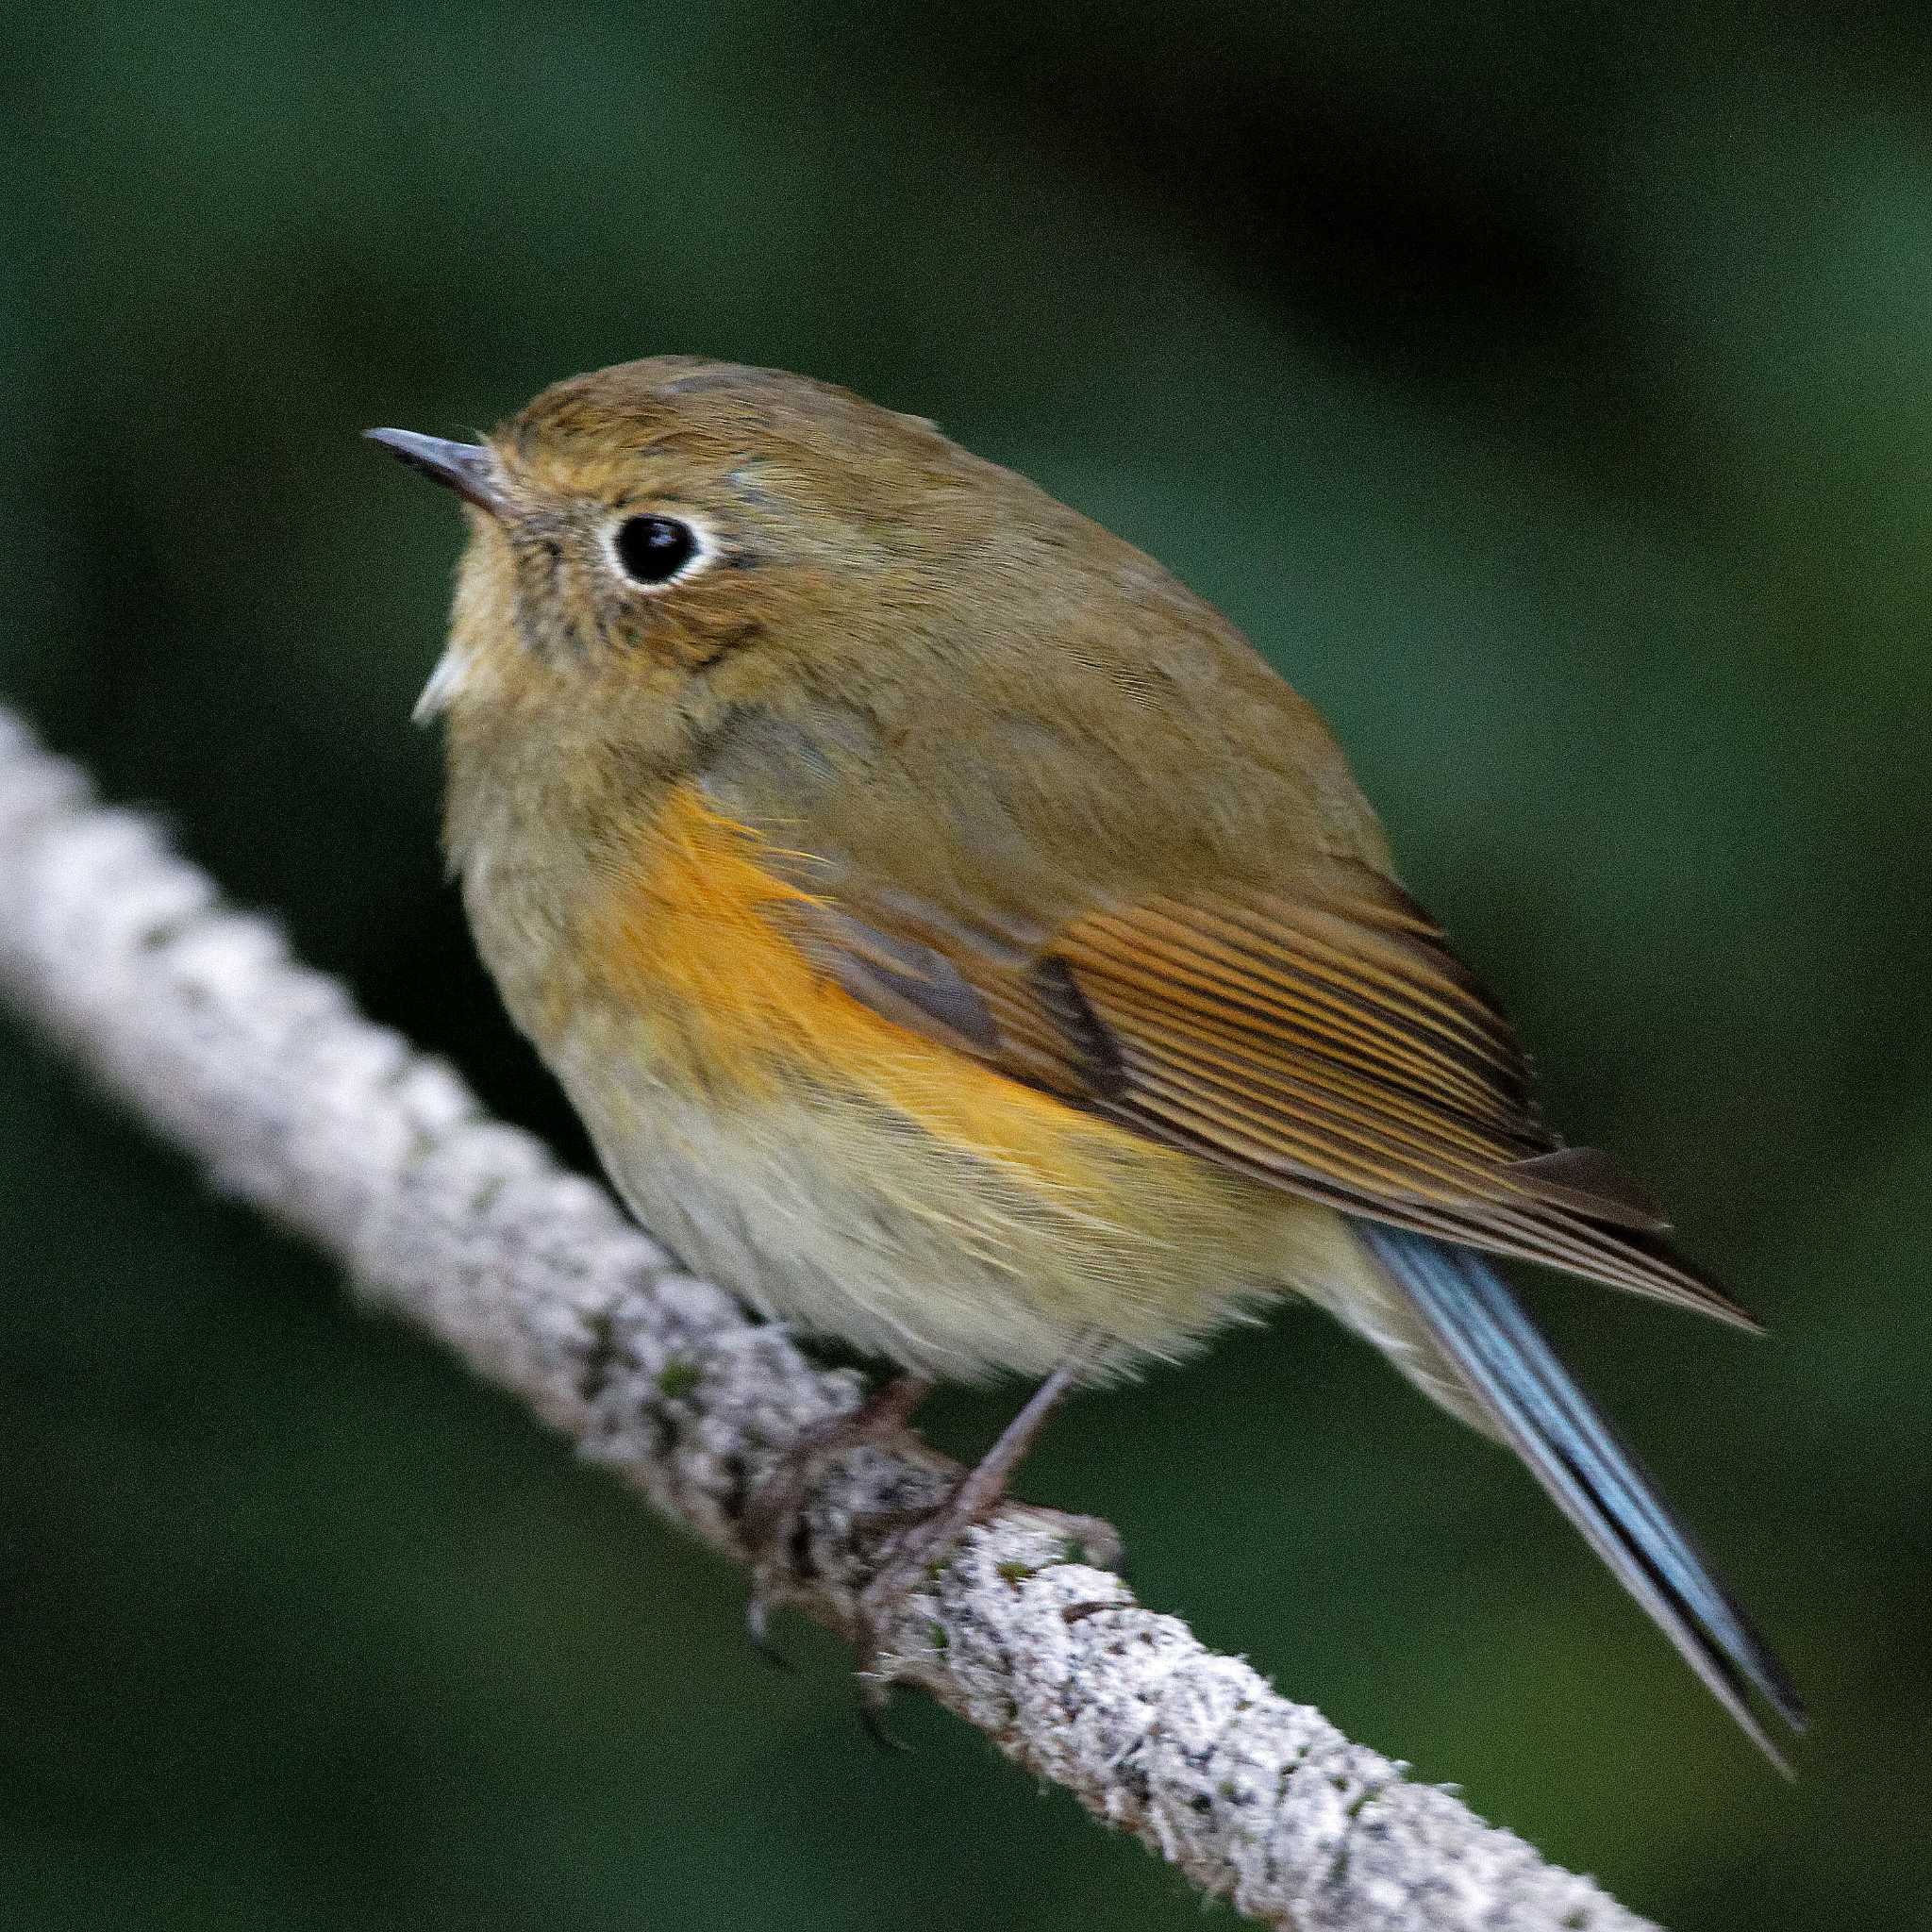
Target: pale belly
847,1218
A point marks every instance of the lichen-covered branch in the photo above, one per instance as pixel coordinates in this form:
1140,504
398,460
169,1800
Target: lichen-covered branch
196,1016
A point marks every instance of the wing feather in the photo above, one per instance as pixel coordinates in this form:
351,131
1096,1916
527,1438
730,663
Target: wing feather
1329,1043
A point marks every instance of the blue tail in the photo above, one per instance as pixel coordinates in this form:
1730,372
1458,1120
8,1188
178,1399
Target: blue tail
1594,1480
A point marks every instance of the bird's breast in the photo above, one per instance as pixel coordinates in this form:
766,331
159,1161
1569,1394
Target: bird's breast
688,955
845,1172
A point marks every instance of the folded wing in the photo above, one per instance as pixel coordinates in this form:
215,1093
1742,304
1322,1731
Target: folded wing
1329,1043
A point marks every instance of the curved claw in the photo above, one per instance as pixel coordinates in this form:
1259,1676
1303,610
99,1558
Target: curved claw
873,1700
758,1619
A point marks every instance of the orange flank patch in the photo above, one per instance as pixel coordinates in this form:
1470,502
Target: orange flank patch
693,943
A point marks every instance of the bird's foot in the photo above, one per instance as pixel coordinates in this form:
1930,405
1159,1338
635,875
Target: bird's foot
920,1553
918,1540
774,1527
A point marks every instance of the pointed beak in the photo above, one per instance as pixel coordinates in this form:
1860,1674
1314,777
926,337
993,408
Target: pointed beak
468,468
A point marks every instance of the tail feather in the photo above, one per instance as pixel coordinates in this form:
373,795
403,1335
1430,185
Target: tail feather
1528,1395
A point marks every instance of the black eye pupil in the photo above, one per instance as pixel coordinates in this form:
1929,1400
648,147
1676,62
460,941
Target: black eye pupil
653,549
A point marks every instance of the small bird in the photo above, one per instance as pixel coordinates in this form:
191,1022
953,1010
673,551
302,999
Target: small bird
958,941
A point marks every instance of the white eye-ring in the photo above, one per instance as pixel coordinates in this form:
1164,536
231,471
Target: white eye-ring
655,551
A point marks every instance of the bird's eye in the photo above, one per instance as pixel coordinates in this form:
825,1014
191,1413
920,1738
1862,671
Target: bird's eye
654,550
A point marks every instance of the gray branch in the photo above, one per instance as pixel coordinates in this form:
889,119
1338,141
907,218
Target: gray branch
197,1017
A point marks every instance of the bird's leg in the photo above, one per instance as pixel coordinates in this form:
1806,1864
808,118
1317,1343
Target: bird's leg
772,1518
933,1536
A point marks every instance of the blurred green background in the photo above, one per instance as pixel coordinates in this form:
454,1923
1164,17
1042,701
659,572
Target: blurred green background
1549,390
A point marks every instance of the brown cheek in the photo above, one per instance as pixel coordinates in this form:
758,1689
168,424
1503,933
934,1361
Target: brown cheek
700,646
688,626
